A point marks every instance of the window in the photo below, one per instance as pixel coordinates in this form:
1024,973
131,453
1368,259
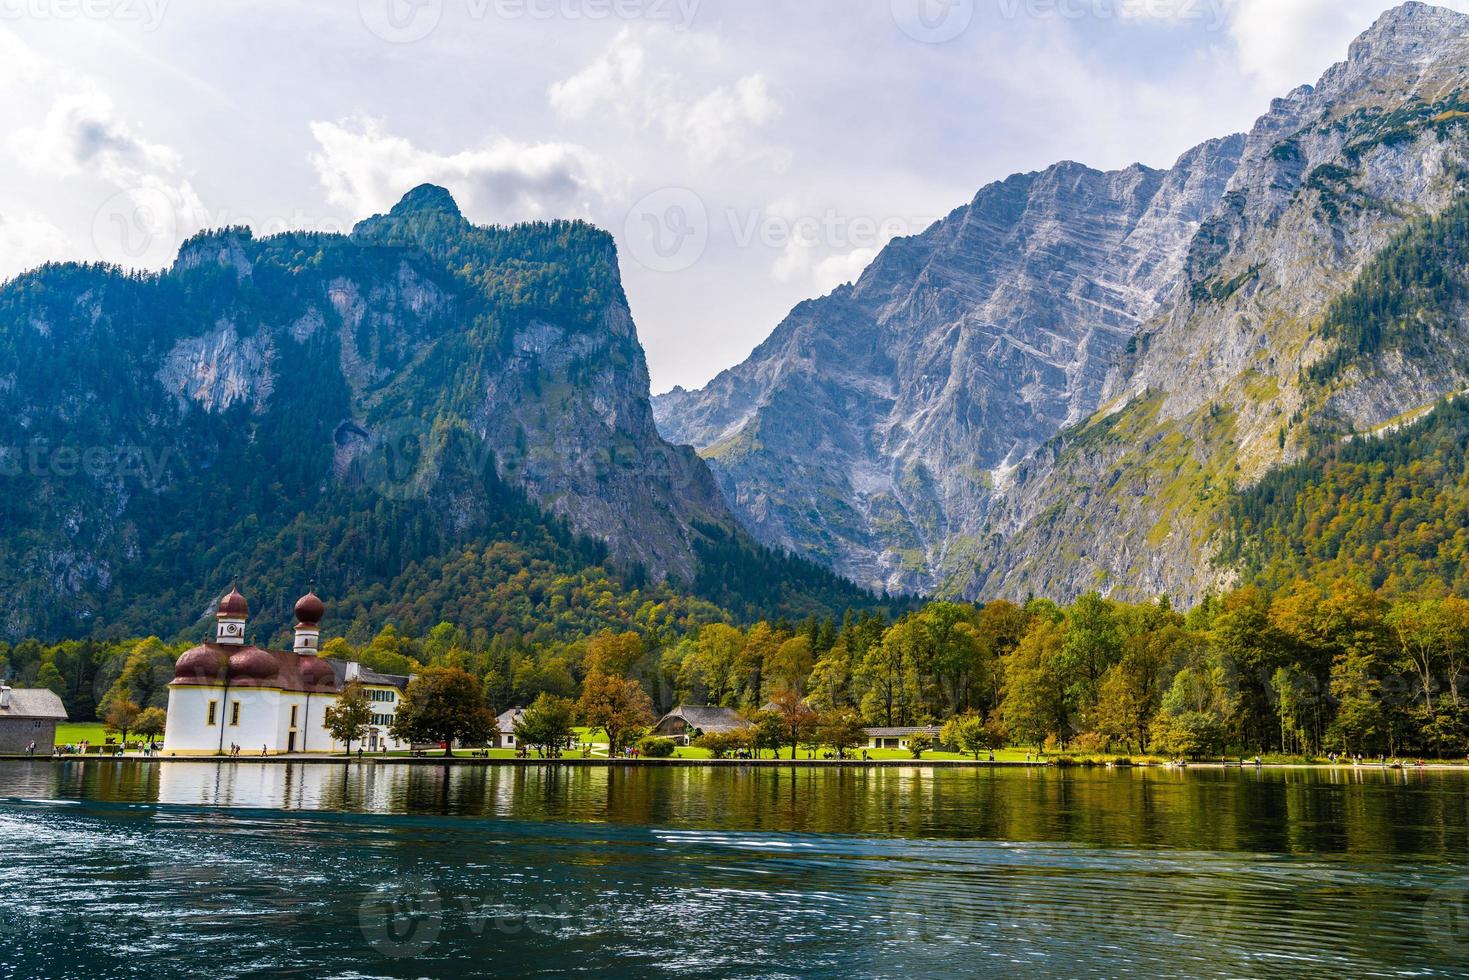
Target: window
293,715
213,707
234,713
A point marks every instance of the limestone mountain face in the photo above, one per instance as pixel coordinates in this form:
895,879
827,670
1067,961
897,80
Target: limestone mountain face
182,420
1058,387
875,427
1227,383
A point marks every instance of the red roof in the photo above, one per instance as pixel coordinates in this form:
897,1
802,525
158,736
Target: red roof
309,610
211,665
233,605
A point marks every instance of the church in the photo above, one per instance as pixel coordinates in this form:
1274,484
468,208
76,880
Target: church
227,692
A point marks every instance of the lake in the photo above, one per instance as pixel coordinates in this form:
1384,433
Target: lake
147,869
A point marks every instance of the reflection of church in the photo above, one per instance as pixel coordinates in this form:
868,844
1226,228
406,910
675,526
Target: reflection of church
228,692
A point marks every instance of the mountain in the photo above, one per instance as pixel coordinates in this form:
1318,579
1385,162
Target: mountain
1323,302
1066,384
876,425
393,413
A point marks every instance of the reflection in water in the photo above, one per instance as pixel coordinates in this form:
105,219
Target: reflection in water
432,871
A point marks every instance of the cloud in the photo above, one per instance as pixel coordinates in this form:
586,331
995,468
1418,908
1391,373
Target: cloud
66,129
26,241
83,132
366,170
649,80
1282,45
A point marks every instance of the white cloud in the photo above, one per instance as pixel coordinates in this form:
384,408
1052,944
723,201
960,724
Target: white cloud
366,170
83,132
1281,45
671,99
129,192
26,241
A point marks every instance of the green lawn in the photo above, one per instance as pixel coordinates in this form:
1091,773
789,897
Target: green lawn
70,732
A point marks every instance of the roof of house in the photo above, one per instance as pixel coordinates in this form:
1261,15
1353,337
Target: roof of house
507,719
34,702
900,732
367,676
706,719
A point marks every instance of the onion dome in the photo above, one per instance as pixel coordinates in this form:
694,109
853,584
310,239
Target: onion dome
309,610
233,606
317,673
201,665
254,664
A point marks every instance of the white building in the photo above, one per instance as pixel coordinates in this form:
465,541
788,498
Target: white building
229,693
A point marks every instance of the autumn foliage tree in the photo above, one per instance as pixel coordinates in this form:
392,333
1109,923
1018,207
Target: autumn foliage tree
616,706
444,704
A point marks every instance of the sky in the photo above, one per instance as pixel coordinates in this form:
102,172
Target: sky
746,154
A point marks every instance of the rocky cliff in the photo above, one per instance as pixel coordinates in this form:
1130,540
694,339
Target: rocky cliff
877,425
183,421
1058,387
1248,368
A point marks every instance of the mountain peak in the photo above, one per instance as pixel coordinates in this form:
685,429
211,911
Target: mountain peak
427,199
1411,30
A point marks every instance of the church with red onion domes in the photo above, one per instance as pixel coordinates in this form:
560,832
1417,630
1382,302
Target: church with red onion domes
228,692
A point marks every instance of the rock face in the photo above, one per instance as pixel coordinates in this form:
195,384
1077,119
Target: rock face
343,373
877,424
1056,388
1223,386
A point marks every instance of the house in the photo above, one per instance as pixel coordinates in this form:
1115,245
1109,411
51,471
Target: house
505,721
229,692
29,715
685,723
897,738
384,693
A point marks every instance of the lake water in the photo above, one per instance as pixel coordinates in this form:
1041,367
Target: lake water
156,870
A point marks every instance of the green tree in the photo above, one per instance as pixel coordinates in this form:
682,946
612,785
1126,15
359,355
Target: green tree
151,723
1093,644
841,730
349,719
790,666
1191,722
1035,699
889,675
919,743
968,733
444,704
547,724
145,675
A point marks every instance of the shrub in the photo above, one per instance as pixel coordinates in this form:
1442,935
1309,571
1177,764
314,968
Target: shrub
919,744
720,745
653,747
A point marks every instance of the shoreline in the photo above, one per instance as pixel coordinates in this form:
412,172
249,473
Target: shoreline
603,763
